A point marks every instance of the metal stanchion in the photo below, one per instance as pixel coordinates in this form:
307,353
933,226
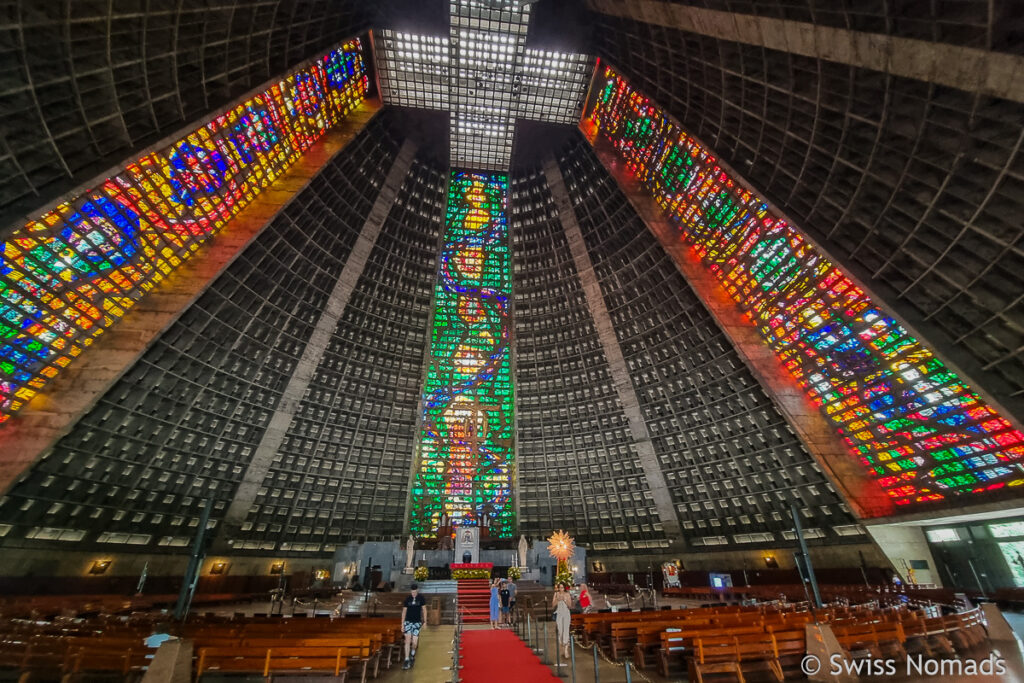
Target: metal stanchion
529,634
597,668
572,654
558,654
544,646
456,643
629,678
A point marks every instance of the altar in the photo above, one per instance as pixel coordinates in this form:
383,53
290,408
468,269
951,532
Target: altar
467,545
395,561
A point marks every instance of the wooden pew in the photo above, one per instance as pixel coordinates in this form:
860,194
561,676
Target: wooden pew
385,635
677,646
882,638
267,660
363,654
728,654
965,630
624,636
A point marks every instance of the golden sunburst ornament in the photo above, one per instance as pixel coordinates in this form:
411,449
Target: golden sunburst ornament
561,546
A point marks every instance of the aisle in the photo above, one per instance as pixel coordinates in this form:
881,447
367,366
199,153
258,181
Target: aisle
490,656
433,659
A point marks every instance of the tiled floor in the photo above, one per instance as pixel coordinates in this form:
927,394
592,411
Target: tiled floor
433,659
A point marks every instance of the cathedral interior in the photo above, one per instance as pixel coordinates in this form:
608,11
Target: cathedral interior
698,282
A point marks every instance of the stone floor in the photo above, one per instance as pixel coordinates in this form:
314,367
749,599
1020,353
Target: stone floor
433,659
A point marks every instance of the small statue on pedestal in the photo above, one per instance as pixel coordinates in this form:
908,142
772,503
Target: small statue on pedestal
410,551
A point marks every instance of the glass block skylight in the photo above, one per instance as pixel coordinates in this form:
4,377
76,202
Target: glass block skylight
483,74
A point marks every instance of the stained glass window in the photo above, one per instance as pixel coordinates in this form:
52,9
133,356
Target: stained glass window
915,426
70,274
466,468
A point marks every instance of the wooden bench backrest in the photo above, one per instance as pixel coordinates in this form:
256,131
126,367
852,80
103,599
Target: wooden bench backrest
683,638
269,659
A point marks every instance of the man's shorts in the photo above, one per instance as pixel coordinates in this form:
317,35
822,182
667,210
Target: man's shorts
412,627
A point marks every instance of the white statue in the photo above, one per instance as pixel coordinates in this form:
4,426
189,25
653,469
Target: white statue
522,551
410,550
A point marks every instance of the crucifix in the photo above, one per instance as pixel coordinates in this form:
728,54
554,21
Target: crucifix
485,76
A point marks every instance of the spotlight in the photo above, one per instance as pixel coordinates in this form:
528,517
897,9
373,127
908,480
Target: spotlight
219,568
277,568
100,566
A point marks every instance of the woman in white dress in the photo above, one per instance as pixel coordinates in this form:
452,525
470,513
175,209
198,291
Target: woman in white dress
560,603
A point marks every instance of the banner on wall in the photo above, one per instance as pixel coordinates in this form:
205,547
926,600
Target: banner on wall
670,570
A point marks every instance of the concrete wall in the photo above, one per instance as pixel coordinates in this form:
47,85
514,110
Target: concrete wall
901,544
16,563
833,557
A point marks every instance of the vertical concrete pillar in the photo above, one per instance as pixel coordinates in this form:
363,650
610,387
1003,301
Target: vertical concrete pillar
266,453
900,544
613,353
172,663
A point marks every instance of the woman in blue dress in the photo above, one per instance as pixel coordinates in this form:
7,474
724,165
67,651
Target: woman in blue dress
495,604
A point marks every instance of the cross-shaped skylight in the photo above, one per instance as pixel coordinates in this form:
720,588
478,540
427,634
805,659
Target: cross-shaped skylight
485,76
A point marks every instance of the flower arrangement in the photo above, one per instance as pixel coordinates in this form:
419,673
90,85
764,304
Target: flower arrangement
421,573
563,577
514,573
471,574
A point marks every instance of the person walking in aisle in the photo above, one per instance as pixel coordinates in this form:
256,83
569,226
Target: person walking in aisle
560,603
495,603
414,615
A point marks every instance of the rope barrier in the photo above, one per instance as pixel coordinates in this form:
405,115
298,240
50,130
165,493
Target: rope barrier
456,642
532,638
602,655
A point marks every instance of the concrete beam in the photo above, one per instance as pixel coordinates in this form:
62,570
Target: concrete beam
863,494
52,413
997,74
266,453
613,353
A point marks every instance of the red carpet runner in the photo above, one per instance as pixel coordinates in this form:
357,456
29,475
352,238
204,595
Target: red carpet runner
500,657
474,600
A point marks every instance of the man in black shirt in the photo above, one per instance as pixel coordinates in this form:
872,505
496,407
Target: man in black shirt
414,615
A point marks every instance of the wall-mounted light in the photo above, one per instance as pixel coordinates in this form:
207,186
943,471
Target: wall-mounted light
219,568
771,562
277,568
100,566
321,574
